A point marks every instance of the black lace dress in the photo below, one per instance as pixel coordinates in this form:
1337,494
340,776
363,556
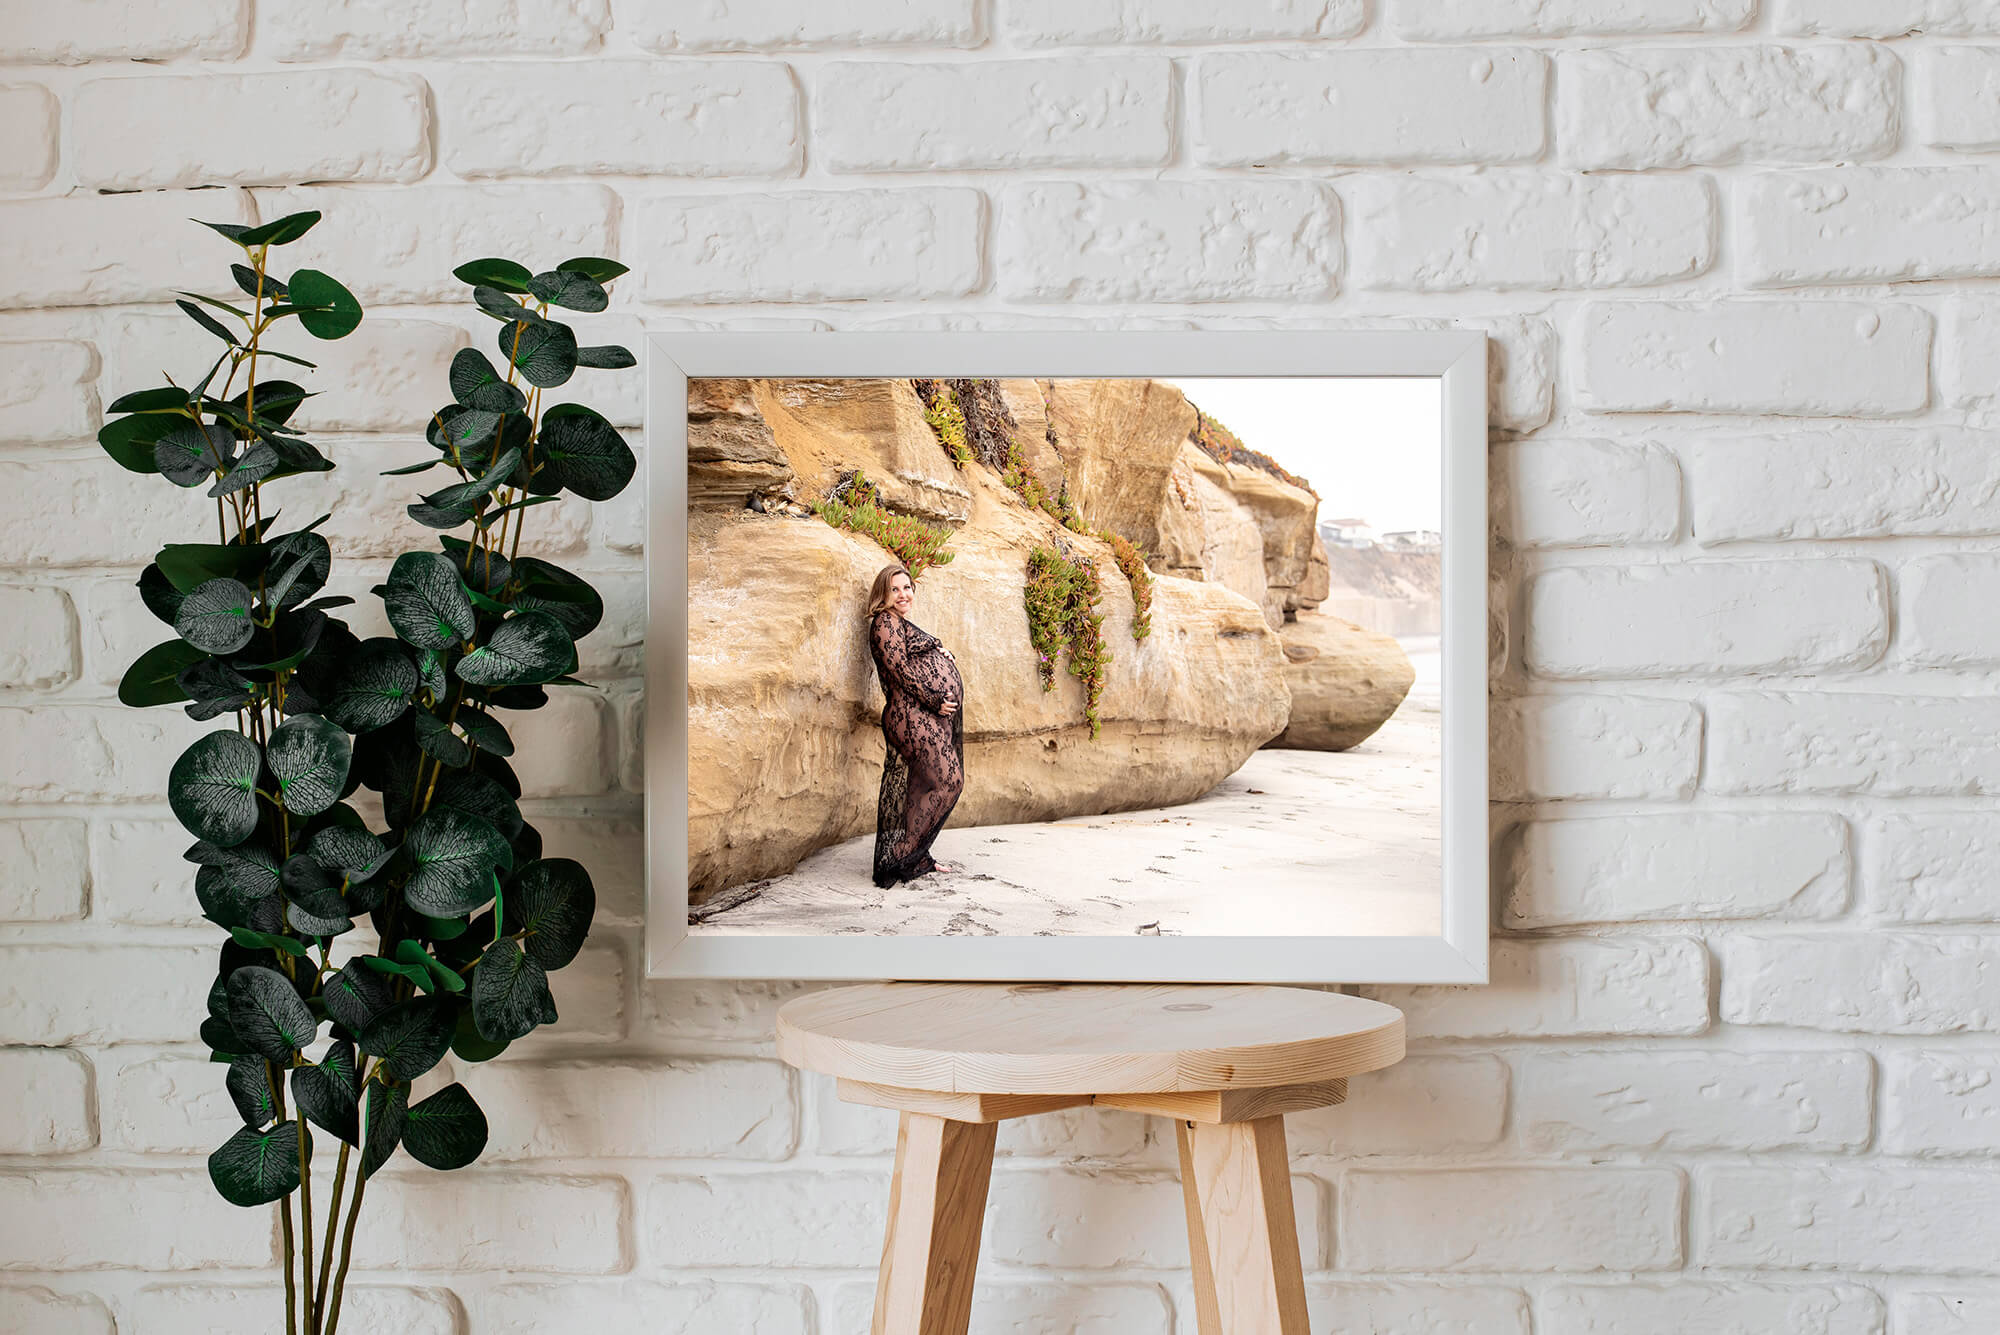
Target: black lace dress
923,770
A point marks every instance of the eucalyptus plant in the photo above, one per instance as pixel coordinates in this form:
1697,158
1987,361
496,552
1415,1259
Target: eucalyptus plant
367,780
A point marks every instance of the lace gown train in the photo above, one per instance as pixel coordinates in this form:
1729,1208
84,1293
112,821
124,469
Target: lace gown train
923,769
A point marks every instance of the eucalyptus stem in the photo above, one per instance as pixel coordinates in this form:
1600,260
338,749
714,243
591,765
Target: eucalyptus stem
305,1224
332,1221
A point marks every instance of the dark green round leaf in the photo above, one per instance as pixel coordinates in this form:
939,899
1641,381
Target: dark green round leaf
220,1038
155,678
478,795
258,462
545,351
355,854
606,357
451,506
375,686
452,856
257,1167
328,1092
265,1010
326,309
529,648
568,598
268,940
249,1086
445,1131
356,996
250,870
212,788
300,563
477,385
220,901
212,688
467,1045
309,757
430,670
167,398
286,229
509,992
385,1108
586,453
189,455
162,599
593,266
215,618
494,273
131,440
440,743
312,886
268,287
486,733
410,1038
552,900
188,565
567,287
426,603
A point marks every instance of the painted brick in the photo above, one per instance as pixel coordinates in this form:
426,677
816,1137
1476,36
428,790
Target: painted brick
1679,1101
1710,617
591,996
48,391
1901,745
1940,622
1693,865
1422,1105
1460,20
1004,1308
1535,230
56,1219
163,131
691,1307
84,30
1485,1219
362,30
1796,358
1946,1311
873,116
1568,988
201,1309
1586,493
628,1109
40,648
45,1312
569,738
1867,225
748,25
91,751
53,995
1940,1103
472,1221
1649,106
1427,1308
1889,983
174,1102
49,1104
1085,1221
44,872
28,157
1574,746
1971,346
1931,867
1384,105
1843,482
91,250
1073,1133
723,1220
1886,18
114,626
1726,1309
746,1011
1048,22
138,874
391,246
1894,1218
1170,241
809,245
1956,98
619,117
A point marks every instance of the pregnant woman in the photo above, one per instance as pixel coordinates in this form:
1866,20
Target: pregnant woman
923,770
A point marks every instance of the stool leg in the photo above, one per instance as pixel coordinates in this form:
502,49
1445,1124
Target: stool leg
1242,1237
937,1206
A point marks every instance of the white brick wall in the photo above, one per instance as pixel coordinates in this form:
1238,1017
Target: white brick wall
1737,1067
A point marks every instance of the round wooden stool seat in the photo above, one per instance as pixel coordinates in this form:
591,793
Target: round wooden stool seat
1225,1062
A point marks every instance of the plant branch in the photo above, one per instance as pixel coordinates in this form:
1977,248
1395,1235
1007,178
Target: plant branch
332,1221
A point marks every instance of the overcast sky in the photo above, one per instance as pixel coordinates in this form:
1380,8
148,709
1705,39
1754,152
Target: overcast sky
1372,447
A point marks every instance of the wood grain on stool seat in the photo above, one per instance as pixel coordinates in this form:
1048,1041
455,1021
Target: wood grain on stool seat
1105,1039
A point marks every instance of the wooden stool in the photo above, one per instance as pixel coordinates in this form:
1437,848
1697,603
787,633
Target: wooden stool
1225,1062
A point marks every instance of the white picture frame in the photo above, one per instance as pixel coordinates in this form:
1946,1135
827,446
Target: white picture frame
1458,954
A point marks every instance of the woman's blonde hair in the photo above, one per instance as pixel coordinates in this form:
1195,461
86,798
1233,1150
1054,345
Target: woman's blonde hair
878,593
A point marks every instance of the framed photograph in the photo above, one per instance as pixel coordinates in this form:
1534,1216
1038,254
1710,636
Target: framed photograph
1067,656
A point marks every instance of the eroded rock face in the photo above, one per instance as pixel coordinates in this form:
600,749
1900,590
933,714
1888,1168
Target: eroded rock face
1345,682
785,745
1238,526
1119,440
